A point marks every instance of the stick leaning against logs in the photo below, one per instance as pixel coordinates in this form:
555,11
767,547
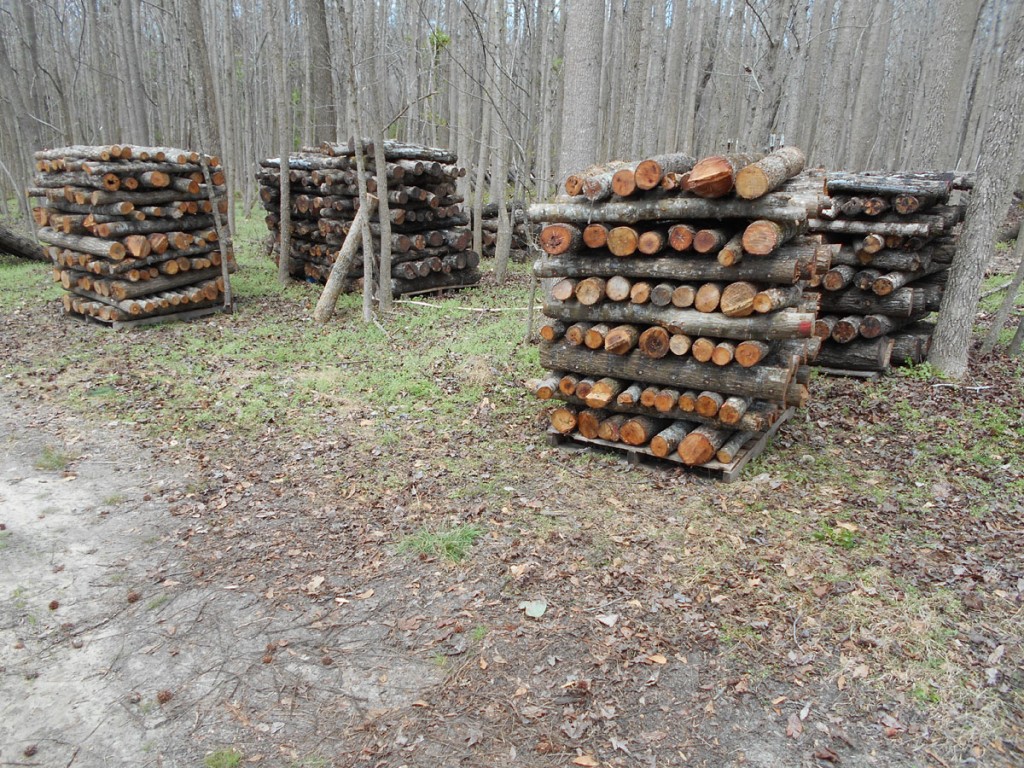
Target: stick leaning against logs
897,235
678,325
133,232
430,244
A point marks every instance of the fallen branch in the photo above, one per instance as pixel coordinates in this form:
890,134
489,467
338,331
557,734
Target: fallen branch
343,263
21,246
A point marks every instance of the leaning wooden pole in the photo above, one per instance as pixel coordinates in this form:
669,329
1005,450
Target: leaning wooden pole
343,263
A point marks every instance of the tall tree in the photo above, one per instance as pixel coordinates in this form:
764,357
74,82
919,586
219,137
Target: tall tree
581,86
1000,166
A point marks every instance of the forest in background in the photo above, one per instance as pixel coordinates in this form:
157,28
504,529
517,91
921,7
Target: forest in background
890,84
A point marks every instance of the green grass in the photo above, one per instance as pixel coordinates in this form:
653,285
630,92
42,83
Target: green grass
53,460
22,283
451,543
223,758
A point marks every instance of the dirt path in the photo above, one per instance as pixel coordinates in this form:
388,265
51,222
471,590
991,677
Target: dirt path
114,653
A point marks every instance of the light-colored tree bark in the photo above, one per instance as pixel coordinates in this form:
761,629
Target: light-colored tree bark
999,168
581,89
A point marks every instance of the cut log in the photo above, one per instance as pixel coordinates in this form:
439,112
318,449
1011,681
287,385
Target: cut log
594,337
588,422
83,244
775,207
737,299
846,329
604,392
887,185
683,296
552,329
595,235
702,349
700,446
873,326
667,441
838,277
576,333
640,429
824,326
715,176
649,172
762,237
583,387
623,241
724,353
648,395
654,342
661,294
708,404
680,237
617,288
732,447
543,389
630,395
860,355
624,181
622,339
731,253
872,243
611,427
652,241
783,267
763,381
590,291
568,383
901,303
640,292
20,245
775,325
564,289
875,206
751,352
708,297
557,239
688,401
865,279
563,419
773,299
666,399
679,343
769,173
710,240
732,409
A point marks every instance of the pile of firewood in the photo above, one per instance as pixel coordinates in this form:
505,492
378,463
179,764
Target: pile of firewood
430,244
897,235
678,326
132,231
523,232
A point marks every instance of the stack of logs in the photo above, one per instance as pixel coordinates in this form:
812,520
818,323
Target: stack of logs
523,232
430,245
687,335
132,231
897,237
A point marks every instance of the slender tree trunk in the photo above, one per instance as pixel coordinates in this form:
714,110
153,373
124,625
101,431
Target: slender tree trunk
580,140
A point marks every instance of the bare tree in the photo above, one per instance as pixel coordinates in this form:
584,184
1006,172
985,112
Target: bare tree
581,91
1000,165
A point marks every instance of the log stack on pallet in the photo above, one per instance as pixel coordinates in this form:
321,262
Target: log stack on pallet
132,231
897,236
678,326
430,244
523,232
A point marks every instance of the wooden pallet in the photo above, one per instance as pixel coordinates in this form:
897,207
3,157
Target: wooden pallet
725,473
153,320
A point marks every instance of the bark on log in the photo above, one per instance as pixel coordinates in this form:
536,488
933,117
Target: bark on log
895,184
774,207
654,342
873,326
776,325
732,409
763,381
630,395
543,389
667,441
21,246
769,173
763,237
551,330
640,429
715,176
731,253
861,355
92,245
557,239
846,329
773,299
610,429
649,172
730,450
838,278
700,446
737,299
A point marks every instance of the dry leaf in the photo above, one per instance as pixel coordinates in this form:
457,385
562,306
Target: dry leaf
365,595
609,620
534,608
586,760
657,659
793,726
315,583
